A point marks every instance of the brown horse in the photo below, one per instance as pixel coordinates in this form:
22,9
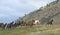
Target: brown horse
30,23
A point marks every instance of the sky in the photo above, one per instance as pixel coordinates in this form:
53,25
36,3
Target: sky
10,10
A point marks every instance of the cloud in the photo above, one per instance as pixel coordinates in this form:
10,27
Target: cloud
12,9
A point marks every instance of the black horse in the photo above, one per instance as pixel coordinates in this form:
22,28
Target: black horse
15,24
20,23
1,25
50,22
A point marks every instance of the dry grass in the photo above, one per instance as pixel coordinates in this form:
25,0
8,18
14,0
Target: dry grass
25,30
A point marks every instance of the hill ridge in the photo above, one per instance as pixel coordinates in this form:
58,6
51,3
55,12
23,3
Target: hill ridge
51,11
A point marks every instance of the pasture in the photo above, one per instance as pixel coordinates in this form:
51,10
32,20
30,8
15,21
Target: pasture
34,30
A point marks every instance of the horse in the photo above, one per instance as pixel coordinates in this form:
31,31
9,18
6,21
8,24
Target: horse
23,23
9,26
37,22
50,22
19,23
2,26
30,23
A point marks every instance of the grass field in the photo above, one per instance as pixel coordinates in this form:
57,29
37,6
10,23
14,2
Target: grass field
34,30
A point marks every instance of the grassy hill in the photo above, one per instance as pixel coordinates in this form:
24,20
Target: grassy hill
51,11
34,30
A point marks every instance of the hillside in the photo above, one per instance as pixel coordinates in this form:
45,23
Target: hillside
51,11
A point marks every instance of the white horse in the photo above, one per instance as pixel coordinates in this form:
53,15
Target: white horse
36,22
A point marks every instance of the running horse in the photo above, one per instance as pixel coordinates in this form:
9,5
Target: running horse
50,22
37,22
30,23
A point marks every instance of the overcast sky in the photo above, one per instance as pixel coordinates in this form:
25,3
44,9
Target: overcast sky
12,9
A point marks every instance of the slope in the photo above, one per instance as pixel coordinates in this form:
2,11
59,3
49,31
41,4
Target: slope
51,11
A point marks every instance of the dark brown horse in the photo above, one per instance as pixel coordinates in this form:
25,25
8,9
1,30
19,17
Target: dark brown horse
50,22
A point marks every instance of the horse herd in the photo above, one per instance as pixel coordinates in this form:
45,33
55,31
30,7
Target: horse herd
22,23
